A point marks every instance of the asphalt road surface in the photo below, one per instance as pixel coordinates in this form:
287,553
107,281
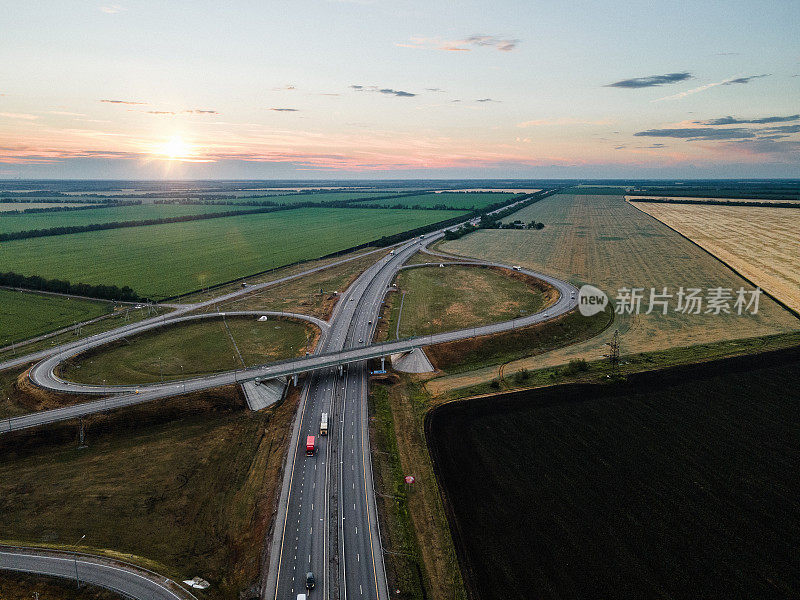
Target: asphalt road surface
327,520
331,356
128,580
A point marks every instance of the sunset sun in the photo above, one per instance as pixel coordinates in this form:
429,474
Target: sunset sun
175,149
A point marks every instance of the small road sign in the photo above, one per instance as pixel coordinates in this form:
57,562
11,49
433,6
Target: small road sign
410,479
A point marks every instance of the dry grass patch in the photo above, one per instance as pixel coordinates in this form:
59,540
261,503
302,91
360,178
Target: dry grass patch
455,297
185,486
603,240
704,199
761,243
274,274
312,294
23,586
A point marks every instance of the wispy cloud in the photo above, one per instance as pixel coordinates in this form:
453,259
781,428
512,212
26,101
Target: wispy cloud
562,121
785,149
487,100
284,88
65,113
696,90
188,111
699,133
387,91
22,116
122,102
783,129
111,9
762,120
502,44
741,80
462,45
651,81
285,109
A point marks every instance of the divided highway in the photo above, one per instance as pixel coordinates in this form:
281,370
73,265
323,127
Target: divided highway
326,521
42,373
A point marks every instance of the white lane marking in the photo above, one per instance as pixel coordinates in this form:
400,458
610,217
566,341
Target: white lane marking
85,563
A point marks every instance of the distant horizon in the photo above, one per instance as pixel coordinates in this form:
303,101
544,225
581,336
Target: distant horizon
406,180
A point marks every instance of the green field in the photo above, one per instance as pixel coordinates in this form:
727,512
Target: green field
452,200
302,295
454,297
173,258
24,315
674,484
320,197
19,206
91,216
191,349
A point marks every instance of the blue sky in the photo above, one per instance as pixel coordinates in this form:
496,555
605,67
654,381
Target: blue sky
323,89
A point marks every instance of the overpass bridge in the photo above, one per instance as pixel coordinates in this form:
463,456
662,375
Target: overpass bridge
119,396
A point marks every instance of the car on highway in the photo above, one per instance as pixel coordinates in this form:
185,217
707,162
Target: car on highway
310,581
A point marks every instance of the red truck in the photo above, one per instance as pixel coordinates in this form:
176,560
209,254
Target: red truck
310,449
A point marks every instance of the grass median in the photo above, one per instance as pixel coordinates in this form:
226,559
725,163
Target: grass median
190,349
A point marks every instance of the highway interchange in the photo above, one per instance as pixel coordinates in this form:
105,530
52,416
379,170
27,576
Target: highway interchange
327,520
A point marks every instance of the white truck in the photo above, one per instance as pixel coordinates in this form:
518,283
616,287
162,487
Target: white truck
323,425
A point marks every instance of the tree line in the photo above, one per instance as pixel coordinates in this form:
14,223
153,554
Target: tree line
494,220
761,203
35,233
50,209
61,286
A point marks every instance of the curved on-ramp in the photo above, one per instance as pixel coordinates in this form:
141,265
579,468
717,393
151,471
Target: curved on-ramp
124,578
42,373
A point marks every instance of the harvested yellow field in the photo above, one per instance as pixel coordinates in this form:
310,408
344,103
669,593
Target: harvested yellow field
761,243
604,241
696,198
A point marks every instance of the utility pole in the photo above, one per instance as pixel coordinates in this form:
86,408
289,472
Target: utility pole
82,437
613,353
75,557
